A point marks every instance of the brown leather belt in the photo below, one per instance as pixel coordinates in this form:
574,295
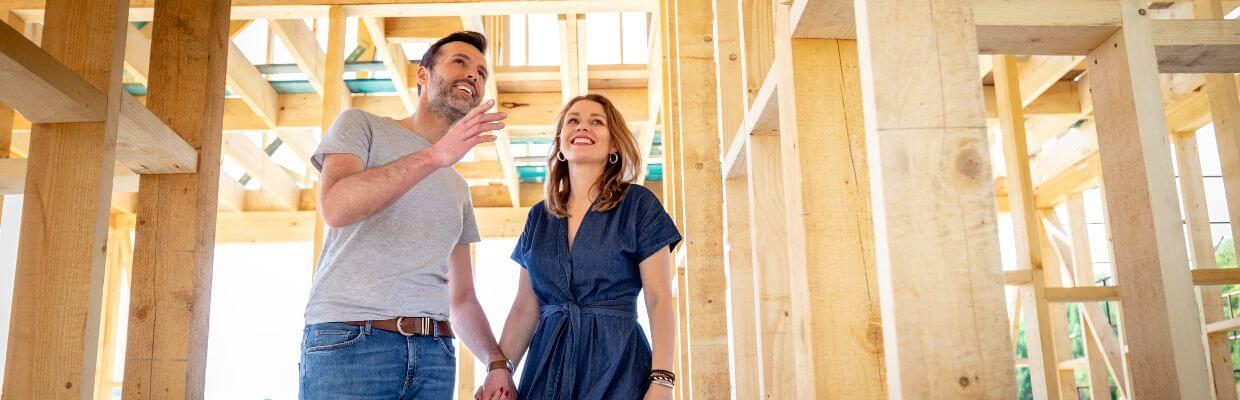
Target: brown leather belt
411,326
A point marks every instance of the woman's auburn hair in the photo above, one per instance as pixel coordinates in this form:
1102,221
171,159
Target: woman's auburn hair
616,177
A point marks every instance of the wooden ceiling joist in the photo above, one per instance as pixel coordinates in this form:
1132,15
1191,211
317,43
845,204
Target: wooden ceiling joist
143,10
272,178
395,60
1055,27
137,54
245,81
302,45
548,78
419,29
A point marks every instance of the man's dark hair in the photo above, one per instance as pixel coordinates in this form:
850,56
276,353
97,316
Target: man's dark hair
470,37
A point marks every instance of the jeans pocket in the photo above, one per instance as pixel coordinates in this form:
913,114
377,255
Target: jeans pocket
332,339
448,346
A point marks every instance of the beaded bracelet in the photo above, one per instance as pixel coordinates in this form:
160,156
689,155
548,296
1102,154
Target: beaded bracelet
664,373
663,378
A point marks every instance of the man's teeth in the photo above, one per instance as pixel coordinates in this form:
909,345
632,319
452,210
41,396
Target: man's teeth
467,89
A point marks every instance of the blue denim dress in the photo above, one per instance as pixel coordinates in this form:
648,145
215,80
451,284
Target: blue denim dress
588,344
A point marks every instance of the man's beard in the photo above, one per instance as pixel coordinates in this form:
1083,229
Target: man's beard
444,101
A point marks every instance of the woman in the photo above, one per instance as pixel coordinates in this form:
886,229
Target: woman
587,250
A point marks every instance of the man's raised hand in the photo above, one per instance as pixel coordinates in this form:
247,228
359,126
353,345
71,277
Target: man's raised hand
467,133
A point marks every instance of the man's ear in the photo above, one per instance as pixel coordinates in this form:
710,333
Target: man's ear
423,76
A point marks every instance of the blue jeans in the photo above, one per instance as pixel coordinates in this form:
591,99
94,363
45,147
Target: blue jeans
342,361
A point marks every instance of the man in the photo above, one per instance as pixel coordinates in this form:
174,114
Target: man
396,262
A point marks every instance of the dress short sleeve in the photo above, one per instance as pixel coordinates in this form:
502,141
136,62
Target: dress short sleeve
523,242
655,229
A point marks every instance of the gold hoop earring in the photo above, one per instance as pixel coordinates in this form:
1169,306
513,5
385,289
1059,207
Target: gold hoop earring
560,156
613,158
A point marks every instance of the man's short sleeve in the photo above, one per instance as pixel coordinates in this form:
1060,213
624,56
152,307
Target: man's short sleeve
469,226
349,134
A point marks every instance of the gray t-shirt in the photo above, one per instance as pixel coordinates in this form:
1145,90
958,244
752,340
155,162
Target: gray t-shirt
394,263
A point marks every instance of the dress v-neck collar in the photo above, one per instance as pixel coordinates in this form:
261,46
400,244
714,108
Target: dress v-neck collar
570,245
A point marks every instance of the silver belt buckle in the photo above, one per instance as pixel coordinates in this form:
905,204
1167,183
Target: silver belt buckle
401,328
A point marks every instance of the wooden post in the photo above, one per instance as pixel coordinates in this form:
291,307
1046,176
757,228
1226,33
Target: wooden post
757,45
684,382
335,99
1083,265
7,114
119,259
833,287
166,352
1162,329
465,385
770,274
1201,243
671,120
936,241
1057,313
572,60
58,286
1225,114
702,177
1043,363
742,325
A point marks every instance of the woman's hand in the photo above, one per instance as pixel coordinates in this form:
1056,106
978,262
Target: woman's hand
658,392
501,394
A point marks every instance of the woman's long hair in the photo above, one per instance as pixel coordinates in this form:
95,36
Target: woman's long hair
616,177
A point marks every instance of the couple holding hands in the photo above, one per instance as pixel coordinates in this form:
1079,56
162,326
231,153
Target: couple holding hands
394,284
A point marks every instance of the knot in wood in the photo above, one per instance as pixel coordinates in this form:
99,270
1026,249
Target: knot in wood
968,162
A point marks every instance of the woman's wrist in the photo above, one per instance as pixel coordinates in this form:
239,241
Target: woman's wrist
662,377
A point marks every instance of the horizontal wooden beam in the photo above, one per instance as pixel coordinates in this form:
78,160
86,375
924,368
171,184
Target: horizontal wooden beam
1191,111
1082,294
481,170
1074,363
1017,277
1223,326
45,91
148,146
13,177
1197,46
1216,276
419,29
547,79
298,226
1055,27
526,111
143,10
1201,277
1062,98
41,88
